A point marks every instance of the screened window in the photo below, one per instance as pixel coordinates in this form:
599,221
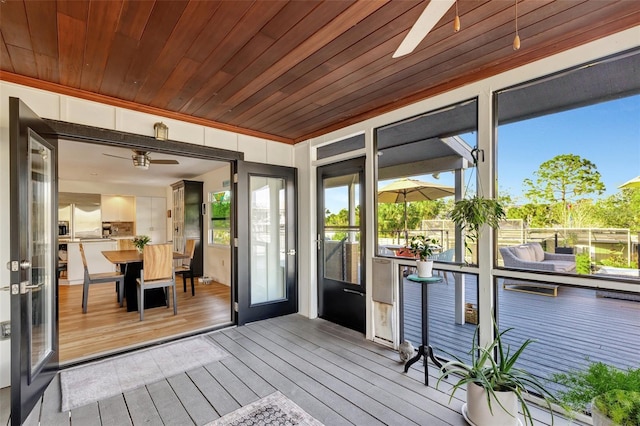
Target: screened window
423,163
566,146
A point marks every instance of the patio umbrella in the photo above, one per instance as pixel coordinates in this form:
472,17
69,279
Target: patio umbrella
407,190
633,183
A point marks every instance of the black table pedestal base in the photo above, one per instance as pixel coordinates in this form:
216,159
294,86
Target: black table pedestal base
427,352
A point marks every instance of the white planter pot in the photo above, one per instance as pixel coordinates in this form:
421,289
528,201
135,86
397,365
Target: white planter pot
600,419
425,268
477,409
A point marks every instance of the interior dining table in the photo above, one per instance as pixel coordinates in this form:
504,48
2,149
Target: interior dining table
131,263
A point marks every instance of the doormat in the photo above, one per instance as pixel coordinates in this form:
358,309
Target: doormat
275,409
103,379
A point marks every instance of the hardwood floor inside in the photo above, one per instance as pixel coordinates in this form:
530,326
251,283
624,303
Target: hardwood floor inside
107,328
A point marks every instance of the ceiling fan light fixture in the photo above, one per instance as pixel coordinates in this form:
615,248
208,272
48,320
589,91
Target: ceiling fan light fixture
141,161
434,11
456,21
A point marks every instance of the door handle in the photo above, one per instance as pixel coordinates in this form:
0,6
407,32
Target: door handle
25,264
25,286
346,290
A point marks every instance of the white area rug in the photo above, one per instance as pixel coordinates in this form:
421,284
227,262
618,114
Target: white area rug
103,379
274,410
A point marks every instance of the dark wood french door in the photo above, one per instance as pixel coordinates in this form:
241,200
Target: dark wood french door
34,257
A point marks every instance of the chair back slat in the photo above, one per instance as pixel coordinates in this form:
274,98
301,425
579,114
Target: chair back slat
157,261
126,244
84,259
190,249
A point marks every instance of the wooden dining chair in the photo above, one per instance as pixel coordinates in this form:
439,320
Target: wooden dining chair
105,277
125,244
186,268
157,272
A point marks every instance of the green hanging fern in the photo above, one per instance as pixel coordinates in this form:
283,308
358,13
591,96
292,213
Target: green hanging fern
470,214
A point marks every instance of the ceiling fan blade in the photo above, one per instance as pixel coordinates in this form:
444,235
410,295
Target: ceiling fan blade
434,11
163,161
117,156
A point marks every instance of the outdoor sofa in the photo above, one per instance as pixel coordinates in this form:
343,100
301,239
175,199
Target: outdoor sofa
532,256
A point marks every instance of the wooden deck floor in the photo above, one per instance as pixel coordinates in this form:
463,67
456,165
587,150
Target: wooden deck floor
333,373
570,330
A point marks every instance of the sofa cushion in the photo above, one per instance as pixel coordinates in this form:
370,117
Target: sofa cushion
562,266
523,253
537,252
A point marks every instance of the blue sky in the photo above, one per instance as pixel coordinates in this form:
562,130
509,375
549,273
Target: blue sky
607,134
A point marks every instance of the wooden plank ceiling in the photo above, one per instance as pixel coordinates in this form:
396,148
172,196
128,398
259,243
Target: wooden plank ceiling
287,70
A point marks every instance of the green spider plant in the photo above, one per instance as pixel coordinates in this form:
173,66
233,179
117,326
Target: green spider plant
497,374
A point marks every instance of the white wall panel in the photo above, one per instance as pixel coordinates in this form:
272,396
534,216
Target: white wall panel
142,124
88,113
45,104
137,122
280,154
220,139
307,294
255,149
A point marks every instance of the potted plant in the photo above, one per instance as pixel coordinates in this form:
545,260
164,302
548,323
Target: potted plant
616,407
584,389
495,387
421,248
139,241
470,214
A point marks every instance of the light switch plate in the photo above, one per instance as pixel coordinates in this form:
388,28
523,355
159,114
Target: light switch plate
5,330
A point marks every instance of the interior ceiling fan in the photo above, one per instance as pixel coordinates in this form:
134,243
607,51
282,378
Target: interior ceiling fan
434,11
142,160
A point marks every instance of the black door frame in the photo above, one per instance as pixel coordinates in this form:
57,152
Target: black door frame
350,295
100,136
31,385
289,304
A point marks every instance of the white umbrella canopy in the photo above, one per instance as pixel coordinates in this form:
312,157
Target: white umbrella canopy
633,183
408,190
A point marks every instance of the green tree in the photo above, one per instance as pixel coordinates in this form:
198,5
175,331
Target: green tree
564,179
621,210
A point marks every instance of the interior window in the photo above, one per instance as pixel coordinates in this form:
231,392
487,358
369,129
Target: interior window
220,223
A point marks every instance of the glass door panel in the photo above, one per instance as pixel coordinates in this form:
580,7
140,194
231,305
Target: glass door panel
40,250
342,228
268,239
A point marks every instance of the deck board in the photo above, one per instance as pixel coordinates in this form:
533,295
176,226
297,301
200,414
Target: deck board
169,407
113,412
141,407
570,330
333,373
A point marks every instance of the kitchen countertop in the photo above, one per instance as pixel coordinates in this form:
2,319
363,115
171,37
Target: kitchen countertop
83,240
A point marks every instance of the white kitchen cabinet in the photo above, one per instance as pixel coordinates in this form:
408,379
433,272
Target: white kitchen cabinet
151,218
96,262
118,208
